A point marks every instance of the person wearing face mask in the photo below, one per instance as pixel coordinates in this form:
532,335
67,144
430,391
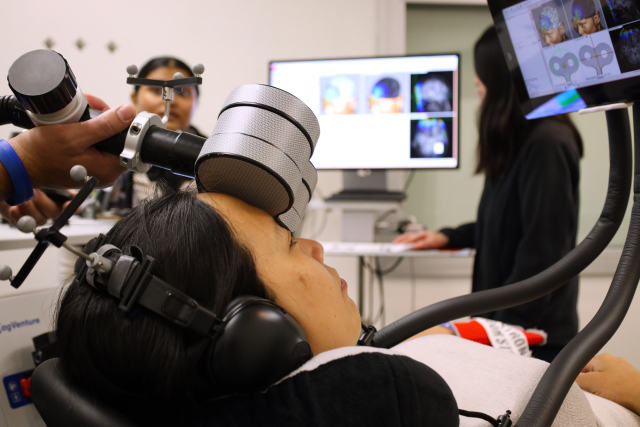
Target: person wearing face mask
528,214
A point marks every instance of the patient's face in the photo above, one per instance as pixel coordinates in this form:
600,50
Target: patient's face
305,287
553,37
150,99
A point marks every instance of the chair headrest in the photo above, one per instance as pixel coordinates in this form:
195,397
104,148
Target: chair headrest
63,404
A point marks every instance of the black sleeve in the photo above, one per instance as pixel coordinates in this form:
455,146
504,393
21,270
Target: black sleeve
549,209
463,236
364,389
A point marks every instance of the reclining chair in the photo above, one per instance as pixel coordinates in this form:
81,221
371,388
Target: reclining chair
62,404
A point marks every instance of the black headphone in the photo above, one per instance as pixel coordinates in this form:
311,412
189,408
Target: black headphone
253,345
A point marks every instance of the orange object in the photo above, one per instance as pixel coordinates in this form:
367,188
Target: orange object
26,387
474,331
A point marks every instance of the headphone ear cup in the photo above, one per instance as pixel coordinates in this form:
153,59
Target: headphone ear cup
260,345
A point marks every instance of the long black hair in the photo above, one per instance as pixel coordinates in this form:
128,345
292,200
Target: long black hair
140,363
501,123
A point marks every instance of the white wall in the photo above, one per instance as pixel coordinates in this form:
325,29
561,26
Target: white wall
235,40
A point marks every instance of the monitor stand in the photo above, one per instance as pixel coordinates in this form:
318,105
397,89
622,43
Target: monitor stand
364,198
366,185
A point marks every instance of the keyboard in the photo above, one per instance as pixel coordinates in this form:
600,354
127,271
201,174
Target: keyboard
364,247
367,195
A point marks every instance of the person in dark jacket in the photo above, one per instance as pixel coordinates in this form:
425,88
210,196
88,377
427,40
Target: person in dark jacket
528,214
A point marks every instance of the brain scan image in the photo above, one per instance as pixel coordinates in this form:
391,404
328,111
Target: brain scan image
339,96
431,94
564,64
386,97
620,12
629,48
430,139
585,17
551,25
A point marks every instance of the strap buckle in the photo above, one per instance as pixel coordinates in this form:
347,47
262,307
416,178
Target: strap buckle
367,336
136,285
179,308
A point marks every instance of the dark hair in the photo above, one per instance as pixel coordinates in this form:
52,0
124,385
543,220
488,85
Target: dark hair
587,6
140,363
164,61
386,88
501,123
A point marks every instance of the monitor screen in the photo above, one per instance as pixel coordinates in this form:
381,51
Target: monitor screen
566,55
379,113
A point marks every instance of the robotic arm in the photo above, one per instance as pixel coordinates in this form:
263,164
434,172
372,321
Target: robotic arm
266,165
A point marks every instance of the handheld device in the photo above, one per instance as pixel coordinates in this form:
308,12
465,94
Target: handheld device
275,157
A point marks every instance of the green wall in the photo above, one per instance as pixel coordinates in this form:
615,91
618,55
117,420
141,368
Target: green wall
450,197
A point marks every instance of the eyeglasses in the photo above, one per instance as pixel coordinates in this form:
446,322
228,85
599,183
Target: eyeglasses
186,93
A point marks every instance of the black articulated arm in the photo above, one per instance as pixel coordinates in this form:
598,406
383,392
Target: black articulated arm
557,380
557,275
11,112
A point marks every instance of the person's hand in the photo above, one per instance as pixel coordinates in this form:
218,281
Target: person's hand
41,208
49,152
424,240
614,379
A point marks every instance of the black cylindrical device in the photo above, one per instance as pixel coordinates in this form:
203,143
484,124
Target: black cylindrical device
172,150
45,86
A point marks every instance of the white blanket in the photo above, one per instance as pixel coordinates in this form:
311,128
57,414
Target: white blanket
491,381
487,380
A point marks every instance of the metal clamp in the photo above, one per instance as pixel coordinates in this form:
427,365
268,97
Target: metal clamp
607,107
130,156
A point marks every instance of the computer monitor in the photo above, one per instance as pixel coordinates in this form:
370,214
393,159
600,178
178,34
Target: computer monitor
565,55
379,113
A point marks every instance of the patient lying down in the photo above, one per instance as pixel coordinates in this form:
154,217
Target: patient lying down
215,247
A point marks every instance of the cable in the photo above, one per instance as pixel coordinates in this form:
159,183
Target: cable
12,112
371,316
548,396
318,231
384,215
552,278
323,225
383,314
412,274
318,191
471,414
375,270
409,180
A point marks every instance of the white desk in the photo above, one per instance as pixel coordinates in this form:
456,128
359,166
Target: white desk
78,232
338,249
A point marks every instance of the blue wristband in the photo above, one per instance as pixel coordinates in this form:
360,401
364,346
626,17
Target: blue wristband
23,190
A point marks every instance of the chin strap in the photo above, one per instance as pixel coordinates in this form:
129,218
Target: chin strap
367,335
